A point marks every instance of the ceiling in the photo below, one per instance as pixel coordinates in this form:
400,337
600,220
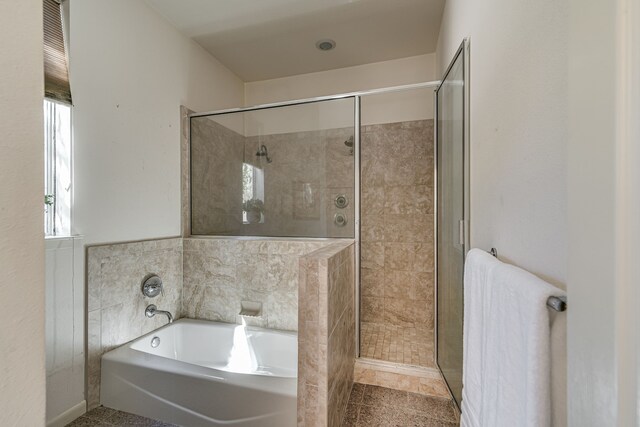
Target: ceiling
266,39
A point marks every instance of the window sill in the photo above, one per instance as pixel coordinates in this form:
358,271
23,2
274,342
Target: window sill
70,237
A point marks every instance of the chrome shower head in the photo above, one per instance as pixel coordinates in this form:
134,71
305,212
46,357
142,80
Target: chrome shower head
349,142
262,152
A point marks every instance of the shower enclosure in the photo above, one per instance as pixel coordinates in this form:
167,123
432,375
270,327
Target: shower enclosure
359,166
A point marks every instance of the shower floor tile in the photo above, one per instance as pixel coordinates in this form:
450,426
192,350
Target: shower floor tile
409,345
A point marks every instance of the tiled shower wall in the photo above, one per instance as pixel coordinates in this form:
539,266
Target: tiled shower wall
319,160
115,301
216,161
397,242
308,170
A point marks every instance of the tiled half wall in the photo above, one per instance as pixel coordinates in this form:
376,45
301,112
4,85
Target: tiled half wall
326,336
204,278
222,273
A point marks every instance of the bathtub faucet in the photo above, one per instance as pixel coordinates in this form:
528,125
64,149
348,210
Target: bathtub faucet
152,310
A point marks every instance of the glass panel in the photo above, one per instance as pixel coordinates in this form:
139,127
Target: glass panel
57,169
397,303
278,172
450,249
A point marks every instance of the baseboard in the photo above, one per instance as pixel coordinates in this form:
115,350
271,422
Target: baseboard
69,415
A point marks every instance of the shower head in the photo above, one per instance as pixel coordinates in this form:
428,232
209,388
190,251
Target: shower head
262,152
349,142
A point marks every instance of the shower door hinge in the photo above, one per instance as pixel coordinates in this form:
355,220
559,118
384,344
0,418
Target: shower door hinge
461,232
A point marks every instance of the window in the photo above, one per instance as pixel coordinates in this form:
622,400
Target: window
57,169
252,194
57,124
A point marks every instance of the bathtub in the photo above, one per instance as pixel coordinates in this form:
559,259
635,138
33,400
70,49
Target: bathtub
201,373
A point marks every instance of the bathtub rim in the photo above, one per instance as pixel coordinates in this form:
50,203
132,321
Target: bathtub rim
126,355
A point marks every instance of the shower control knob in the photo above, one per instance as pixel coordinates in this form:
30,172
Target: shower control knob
152,286
341,201
340,220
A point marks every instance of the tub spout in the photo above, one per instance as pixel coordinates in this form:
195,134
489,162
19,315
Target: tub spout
152,310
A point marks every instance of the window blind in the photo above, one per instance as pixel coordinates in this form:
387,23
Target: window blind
56,71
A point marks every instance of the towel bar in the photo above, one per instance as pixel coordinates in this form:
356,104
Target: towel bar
556,303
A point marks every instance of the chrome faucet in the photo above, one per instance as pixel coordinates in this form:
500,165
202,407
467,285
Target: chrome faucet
152,310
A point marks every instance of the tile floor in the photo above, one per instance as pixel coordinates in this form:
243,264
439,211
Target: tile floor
106,417
369,406
399,344
374,406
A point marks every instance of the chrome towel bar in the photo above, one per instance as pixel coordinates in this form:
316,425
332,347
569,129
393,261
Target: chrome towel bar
556,303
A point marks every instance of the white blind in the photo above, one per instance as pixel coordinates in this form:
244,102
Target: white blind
56,70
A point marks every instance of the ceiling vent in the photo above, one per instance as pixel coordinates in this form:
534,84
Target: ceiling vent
325,44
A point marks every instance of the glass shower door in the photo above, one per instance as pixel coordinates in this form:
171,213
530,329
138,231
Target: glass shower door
452,218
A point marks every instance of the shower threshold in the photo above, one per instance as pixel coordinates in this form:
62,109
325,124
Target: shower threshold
399,376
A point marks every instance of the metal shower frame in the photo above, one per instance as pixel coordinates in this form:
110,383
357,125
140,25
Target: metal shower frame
356,150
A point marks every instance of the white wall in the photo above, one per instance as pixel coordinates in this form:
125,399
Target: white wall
604,207
130,72
334,114
22,367
518,126
387,108
591,320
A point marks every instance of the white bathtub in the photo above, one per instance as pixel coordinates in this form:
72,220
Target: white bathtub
205,374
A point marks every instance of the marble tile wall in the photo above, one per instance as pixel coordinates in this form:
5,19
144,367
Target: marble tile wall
326,336
308,170
217,155
397,225
115,301
222,273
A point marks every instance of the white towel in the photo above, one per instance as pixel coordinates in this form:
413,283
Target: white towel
506,363
476,277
